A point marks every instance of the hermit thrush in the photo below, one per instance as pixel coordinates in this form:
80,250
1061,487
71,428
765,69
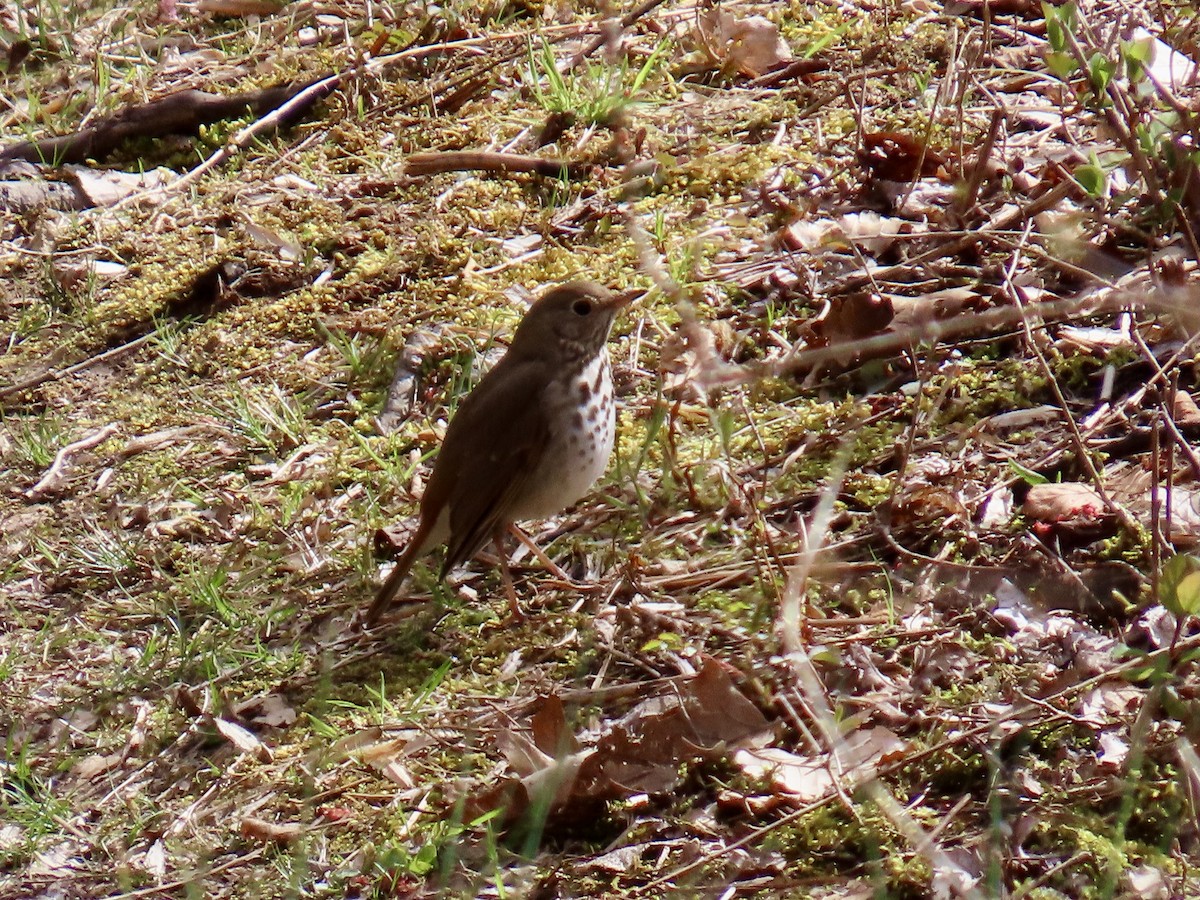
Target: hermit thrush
529,440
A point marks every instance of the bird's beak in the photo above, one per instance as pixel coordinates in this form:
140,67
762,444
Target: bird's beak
623,299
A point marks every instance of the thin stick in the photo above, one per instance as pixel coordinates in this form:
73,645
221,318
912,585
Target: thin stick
53,477
463,160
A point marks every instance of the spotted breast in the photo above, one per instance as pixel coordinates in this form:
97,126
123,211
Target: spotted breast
583,417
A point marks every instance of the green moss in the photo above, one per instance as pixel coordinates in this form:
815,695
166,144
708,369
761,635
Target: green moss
828,842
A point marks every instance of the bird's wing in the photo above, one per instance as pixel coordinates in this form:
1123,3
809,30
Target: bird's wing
493,445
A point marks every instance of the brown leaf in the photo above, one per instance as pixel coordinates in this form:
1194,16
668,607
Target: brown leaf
97,764
752,45
915,312
550,732
523,755
1185,410
852,317
242,738
236,9
806,778
718,711
269,709
928,506
641,753
1060,502
265,832
895,156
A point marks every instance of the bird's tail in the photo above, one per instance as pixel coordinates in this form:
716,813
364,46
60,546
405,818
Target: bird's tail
391,586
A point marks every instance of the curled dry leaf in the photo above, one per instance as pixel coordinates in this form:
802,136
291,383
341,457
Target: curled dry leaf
895,156
867,230
107,187
928,505
384,757
236,9
243,739
809,778
356,742
1185,411
641,753
402,394
684,360
1110,704
1113,750
936,306
97,764
1148,883
997,509
1093,340
1018,419
751,46
550,731
1185,516
852,317
59,861
268,709
264,832
620,860
1056,503
152,861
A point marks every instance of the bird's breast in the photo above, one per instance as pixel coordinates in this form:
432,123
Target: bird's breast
582,422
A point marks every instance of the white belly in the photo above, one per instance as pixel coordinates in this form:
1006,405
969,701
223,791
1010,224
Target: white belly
578,451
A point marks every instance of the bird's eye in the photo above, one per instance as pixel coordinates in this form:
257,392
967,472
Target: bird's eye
582,307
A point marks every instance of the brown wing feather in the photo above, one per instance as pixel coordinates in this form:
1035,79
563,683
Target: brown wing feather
493,445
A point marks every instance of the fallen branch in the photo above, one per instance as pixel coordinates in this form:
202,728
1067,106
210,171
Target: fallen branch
53,479
179,113
464,160
281,114
56,374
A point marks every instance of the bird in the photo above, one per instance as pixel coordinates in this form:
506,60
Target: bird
527,442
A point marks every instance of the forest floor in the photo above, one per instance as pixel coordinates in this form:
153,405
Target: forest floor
886,591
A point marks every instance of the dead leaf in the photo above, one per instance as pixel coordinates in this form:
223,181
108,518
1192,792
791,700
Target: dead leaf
1185,410
243,739
895,156
867,230
58,861
1110,704
620,860
523,755
718,711
808,778
97,764
550,732
264,832
236,9
751,46
107,187
269,709
851,317
1113,751
1147,883
1092,340
11,837
152,860
936,306
928,505
1061,502
640,753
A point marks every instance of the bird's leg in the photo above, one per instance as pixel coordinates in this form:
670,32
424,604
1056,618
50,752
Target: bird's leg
514,608
547,563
